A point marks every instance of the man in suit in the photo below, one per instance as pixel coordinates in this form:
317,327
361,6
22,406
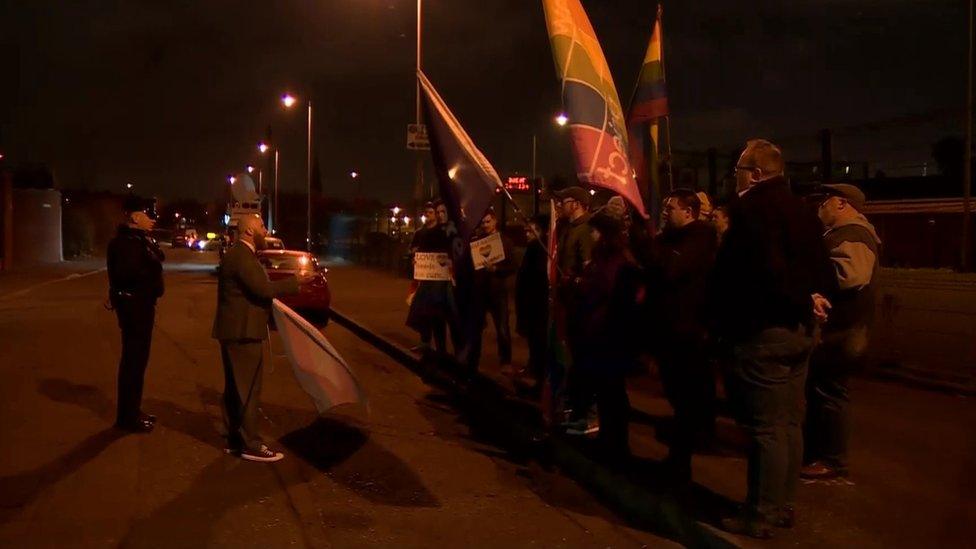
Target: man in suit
244,294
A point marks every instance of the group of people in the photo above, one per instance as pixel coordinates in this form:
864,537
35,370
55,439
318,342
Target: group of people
758,289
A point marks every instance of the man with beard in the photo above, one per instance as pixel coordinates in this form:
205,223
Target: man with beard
244,294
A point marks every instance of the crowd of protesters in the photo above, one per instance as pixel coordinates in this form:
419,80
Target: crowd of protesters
755,292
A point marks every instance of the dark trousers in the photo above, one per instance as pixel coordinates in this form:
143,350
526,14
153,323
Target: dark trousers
495,303
436,330
538,348
828,425
613,410
136,319
766,390
243,370
602,382
689,385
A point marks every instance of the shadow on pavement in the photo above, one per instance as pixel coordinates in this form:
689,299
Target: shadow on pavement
350,458
342,451
21,489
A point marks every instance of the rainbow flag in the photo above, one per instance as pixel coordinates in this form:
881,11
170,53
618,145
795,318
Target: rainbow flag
649,105
596,121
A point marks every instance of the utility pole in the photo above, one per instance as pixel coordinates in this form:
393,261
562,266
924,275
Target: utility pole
967,169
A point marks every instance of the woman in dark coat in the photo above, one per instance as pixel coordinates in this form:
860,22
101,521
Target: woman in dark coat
604,328
532,304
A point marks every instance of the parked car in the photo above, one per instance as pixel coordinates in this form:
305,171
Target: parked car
184,238
274,243
315,298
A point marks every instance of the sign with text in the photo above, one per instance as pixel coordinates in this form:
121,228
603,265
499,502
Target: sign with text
487,251
431,266
518,184
417,137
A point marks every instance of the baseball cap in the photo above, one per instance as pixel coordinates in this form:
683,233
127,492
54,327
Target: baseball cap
848,192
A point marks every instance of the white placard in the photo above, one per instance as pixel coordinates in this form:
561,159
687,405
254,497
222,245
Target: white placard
431,266
487,251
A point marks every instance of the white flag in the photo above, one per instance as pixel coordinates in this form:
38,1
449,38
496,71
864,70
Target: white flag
319,368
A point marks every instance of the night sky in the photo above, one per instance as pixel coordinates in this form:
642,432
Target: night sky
174,95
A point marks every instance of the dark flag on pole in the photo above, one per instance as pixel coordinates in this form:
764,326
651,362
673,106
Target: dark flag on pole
467,180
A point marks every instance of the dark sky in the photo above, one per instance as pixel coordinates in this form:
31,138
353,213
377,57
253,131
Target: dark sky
173,95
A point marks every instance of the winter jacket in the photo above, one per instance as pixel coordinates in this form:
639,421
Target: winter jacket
532,291
772,259
604,321
854,250
678,276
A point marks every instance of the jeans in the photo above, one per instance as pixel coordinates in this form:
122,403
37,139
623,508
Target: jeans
766,390
828,426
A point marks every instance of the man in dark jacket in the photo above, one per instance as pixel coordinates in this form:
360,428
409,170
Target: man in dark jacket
771,264
490,296
532,303
135,275
682,259
854,249
244,294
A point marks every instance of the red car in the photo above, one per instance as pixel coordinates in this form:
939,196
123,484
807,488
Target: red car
314,298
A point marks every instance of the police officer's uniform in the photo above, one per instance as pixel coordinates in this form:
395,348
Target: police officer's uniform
135,274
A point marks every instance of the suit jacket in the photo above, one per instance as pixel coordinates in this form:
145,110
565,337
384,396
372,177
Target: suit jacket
244,294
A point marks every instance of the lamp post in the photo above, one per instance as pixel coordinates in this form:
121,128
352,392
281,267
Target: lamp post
263,148
289,100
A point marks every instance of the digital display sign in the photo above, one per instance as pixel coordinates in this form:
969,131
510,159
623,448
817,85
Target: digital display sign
518,184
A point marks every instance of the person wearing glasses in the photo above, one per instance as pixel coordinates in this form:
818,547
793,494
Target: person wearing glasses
854,251
572,255
766,296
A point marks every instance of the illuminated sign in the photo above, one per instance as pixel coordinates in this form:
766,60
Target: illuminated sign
518,184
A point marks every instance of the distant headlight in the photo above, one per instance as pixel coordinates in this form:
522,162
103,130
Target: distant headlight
201,244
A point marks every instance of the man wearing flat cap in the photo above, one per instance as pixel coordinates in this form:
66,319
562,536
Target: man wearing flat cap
854,249
135,275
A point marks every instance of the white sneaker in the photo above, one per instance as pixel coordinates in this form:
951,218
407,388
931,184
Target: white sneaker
265,455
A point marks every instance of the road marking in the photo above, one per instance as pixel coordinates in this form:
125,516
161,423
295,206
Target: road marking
71,276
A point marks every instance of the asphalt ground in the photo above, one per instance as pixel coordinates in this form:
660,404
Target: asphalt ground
913,451
413,472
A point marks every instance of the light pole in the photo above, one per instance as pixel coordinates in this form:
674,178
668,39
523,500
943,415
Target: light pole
967,168
419,184
288,100
263,148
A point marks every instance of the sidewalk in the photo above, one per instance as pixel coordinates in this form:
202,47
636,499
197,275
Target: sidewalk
912,454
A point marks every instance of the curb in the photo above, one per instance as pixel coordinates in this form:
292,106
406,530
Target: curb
482,397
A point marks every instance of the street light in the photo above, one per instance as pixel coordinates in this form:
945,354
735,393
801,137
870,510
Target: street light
289,100
396,210
231,179
562,119
354,175
128,186
263,148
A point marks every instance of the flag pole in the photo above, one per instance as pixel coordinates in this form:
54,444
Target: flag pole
525,220
667,118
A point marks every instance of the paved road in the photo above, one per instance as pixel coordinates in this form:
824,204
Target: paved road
412,474
913,451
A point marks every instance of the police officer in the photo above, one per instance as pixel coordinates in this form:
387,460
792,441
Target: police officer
135,274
